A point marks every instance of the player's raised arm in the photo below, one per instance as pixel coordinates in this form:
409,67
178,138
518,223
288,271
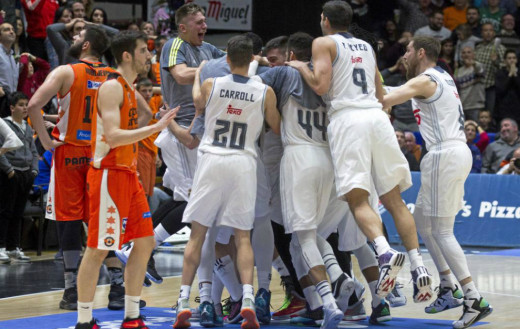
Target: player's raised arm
59,80
323,53
200,93
421,86
110,98
272,115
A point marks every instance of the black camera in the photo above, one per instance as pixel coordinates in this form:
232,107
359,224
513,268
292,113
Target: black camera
517,163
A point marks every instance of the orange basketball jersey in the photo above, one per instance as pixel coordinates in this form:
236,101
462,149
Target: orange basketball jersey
122,157
75,107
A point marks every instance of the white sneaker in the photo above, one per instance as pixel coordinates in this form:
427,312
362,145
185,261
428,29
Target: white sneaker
124,253
331,318
19,256
4,257
343,289
183,314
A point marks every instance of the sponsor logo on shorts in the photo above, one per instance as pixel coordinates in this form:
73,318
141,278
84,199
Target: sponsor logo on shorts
49,209
147,215
125,219
77,161
109,241
83,135
93,84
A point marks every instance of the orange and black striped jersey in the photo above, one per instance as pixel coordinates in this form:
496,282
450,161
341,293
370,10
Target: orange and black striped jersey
75,107
122,157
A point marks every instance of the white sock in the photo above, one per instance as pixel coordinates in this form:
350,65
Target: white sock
132,306
312,297
323,288
85,312
228,276
415,258
376,300
205,292
216,289
447,281
381,245
185,292
160,234
248,292
279,266
470,291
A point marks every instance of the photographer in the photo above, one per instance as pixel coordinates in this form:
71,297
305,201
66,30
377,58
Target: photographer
513,167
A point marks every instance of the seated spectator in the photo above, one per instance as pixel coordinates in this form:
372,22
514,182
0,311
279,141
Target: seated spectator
99,16
469,79
148,29
507,6
456,14
389,32
486,122
402,114
497,151
464,39
434,29
133,27
17,171
33,74
412,146
513,166
508,89
491,13
414,15
446,56
490,54
470,129
390,54
78,9
412,162
473,20
507,35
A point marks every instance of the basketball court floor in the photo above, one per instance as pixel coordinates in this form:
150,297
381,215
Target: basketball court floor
30,293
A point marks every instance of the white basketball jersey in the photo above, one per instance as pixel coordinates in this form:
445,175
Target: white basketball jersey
234,116
440,117
301,125
353,75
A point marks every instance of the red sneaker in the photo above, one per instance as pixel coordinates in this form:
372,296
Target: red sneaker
136,323
91,325
294,307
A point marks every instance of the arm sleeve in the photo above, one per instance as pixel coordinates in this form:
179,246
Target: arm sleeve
58,41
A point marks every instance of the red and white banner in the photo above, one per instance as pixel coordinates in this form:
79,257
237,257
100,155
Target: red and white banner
228,14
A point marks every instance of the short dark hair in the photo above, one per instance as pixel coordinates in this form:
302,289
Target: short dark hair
257,42
431,46
186,10
473,7
240,50
300,43
511,120
339,14
435,12
59,12
144,82
276,43
98,39
17,96
509,51
126,41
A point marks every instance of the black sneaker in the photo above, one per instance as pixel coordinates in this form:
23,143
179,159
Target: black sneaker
69,301
116,298
474,311
91,325
381,313
151,272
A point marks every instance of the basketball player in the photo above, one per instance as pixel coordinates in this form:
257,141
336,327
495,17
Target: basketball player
234,107
119,211
67,202
362,142
306,178
446,166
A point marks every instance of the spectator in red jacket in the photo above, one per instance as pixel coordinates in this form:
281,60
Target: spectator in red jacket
34,71
39,14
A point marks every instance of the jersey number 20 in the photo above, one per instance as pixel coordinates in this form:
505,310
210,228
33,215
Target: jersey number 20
237,140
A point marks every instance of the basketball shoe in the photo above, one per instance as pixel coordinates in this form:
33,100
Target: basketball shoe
262,304
331,318
342,289
447,298
137,323
422,285
474,310
182,319
208,315
390,263
91,325
381,313
396,298
248,313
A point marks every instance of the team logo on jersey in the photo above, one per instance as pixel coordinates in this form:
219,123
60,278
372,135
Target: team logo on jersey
232,110
355,60
93,84
83,135
125,219
109,241
147,214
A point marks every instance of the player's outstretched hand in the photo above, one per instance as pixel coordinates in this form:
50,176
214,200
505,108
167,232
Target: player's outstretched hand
297,64
167,118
